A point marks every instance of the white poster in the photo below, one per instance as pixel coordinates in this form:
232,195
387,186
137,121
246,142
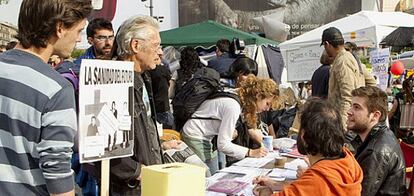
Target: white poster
302,62
105,110
380,59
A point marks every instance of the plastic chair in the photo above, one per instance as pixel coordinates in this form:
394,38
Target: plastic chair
408,152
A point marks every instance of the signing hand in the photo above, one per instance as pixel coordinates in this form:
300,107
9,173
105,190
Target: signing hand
257,153
267,182
262,191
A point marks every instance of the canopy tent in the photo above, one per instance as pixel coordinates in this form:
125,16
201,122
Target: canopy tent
400,37
206,34
366,28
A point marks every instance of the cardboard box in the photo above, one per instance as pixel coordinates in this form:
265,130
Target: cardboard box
173,179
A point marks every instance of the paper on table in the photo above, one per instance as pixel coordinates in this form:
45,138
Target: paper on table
244,170
283,173
248,178
257,162
293,153
293,165
247,174
253,162
228,186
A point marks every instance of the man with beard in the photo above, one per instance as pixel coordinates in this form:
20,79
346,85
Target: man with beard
101,36
333,169
345,74
378,151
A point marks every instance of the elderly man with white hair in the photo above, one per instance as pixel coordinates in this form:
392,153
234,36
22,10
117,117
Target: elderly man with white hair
139,41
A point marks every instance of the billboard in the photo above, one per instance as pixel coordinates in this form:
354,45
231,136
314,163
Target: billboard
301,15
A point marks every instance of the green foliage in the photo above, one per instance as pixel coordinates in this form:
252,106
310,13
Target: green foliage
77,53
365,60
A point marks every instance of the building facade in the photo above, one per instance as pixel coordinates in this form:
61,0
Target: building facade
7,33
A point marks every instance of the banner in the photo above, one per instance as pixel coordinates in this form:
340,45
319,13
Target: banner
302,63
105,110
380,59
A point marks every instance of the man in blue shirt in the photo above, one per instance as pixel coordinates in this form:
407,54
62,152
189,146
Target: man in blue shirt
223,61
101,36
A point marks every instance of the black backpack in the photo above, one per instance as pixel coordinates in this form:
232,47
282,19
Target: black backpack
203,85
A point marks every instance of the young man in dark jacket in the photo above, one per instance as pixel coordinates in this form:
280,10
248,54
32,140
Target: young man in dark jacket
378,151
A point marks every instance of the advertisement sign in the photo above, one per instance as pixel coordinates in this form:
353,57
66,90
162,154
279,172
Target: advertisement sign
301,15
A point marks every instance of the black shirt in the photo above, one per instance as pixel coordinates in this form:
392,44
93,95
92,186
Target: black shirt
160,78
320,82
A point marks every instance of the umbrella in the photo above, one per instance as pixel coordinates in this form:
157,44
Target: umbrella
400,37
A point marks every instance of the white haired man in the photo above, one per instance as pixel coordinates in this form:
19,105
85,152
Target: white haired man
139,41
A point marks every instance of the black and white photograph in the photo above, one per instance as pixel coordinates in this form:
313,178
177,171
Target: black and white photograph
105,120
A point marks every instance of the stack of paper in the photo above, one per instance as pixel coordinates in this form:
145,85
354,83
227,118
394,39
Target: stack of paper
283,173
257,162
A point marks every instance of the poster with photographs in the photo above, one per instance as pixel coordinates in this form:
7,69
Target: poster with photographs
105,110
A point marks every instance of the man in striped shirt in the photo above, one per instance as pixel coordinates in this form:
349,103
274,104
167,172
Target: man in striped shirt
37,107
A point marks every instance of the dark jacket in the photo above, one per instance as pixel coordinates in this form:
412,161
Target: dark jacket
89,54
221,64
382,162
147,149
320,81
160,77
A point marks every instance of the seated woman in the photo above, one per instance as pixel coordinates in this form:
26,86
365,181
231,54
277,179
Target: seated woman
219,117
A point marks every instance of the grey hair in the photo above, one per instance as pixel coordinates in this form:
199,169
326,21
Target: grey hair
135,27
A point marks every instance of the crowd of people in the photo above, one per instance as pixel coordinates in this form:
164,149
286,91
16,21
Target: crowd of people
343,121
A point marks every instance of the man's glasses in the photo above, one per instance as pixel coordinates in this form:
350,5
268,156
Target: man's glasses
102,38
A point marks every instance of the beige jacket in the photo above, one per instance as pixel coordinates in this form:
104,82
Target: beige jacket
345,76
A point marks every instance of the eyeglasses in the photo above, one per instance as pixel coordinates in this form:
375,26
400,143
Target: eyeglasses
102,38
157,47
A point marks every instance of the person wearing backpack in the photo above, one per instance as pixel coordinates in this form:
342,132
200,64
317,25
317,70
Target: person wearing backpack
218,117
189,64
